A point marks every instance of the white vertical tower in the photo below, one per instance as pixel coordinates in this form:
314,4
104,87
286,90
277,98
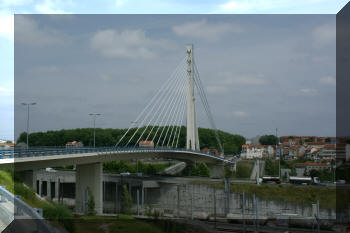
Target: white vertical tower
192,141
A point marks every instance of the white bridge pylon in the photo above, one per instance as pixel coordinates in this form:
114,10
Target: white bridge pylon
192,140
161,122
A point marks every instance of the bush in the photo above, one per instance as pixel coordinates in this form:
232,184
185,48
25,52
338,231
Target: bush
124,217
203,170
59,213
127,202
244,168
91,203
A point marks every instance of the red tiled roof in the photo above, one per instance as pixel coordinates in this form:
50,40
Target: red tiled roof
329,146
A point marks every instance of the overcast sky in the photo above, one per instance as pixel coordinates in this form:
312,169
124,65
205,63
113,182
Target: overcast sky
259,71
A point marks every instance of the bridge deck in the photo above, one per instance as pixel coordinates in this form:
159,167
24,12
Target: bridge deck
80,155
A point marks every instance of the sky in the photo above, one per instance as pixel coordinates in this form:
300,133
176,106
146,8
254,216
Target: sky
259,71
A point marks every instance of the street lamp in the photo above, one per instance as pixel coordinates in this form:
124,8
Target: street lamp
28,104
94,115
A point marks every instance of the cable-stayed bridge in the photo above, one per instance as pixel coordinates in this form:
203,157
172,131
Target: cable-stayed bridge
155,133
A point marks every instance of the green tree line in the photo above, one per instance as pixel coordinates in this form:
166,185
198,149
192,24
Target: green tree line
122,166
109,137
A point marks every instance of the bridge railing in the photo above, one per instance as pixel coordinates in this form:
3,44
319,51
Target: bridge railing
50,151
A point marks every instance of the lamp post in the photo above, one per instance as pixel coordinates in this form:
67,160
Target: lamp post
279,161
28,104
94,115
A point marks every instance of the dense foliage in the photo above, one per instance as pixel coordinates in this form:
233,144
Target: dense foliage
127,201
268,140
51,211
271,167
323,174
200,169
243,169
122,166
109,137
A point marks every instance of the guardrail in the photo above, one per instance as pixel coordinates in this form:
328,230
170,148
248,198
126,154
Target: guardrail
20,207
6,216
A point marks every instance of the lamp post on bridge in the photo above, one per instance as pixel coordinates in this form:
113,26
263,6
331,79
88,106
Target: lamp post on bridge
94,115
28,104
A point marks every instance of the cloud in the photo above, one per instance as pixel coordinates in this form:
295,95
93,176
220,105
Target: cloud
45,69
280,6
328,80
127,44
6,92
254,5
27,31
9,3
242,79
324,35
236,6
308,91
206,31
52,7
6,28
239,114
215,89
227,80
119,3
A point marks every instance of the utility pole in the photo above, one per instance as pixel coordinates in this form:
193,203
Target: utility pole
256,215
178,201
94,115
243,212
192,200
192,141
279,161
214,197
318,215
28,104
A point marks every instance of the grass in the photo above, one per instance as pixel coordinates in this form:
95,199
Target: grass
119,224
6,179
51,211
244,169
128,224
303,195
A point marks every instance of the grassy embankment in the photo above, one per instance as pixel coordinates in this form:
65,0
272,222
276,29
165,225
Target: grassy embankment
127,224
244,168
60,215
303,195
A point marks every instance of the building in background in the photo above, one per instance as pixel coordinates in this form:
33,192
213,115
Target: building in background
305,168
146,144
6,145
74,144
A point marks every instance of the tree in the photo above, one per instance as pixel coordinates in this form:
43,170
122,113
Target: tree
228,172
150,169
127,202
90,203
203,170
268,140
271,167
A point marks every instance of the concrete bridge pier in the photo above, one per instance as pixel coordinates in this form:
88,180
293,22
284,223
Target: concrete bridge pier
88,176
